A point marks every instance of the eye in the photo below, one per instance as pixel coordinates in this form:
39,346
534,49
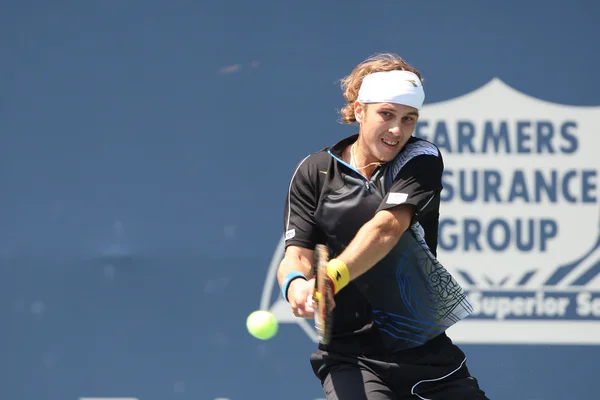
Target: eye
408,119
386,114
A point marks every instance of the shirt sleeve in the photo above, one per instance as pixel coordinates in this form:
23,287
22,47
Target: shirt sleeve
300,228
419,183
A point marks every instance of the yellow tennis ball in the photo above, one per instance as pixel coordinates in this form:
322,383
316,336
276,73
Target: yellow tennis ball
262,324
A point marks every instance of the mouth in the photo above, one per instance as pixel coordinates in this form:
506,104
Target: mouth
391,144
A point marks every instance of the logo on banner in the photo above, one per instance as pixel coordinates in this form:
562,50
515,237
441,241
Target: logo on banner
519,220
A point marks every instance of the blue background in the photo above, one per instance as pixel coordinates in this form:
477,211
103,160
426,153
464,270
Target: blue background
145,152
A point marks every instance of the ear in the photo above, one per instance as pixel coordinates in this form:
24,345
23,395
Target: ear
359,112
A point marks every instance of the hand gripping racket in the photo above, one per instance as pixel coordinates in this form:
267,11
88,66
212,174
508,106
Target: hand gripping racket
322,295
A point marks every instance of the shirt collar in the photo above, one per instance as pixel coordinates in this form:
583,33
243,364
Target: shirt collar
338,148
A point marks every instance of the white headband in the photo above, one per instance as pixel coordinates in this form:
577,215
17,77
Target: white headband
398,87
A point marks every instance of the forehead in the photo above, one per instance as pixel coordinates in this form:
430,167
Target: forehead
398,108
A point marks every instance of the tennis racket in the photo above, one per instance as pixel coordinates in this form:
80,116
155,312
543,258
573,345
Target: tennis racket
322,295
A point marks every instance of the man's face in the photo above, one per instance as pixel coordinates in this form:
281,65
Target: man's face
385,128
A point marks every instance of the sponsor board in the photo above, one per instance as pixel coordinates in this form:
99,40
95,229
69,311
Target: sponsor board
520,217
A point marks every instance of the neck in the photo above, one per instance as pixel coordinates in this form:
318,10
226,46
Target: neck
360,162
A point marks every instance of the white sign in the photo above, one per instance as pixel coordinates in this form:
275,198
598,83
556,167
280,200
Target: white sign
520,217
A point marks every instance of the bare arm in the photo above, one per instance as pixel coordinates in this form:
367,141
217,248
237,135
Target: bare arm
296,259
374,240
420,179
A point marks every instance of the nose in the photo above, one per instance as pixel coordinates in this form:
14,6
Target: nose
395,130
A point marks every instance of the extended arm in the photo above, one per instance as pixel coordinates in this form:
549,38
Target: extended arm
295,259
301,236
416,185
376,239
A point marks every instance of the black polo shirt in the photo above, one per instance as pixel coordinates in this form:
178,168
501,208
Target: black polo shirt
408,297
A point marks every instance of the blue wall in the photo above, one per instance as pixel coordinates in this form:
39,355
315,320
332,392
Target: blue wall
145,152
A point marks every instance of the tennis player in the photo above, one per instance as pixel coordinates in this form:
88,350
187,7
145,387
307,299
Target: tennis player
374,199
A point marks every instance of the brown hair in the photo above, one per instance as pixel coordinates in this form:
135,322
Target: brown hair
381,62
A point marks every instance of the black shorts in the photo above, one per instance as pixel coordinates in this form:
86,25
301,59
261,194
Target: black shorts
434,371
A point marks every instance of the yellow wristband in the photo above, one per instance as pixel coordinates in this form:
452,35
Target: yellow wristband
339,274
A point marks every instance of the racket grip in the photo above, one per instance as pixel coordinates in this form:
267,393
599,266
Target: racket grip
316,297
